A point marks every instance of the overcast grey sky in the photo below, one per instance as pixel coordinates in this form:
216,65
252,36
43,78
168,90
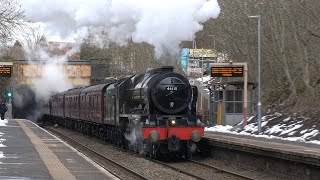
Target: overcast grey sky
161,23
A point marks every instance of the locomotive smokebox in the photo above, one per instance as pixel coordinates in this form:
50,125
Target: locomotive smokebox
171,92
164,89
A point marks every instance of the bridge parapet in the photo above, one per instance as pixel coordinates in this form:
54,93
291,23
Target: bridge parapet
76,73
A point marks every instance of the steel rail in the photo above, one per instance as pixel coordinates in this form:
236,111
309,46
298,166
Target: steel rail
176,169
219,169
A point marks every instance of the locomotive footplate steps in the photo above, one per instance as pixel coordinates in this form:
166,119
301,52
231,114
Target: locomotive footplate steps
29,152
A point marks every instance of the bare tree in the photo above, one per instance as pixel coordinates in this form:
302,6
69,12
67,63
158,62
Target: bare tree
12,19
277,23
34,38
110,59
290,38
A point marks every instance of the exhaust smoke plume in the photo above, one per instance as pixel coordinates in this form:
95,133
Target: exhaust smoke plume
52,76
49,79
161,23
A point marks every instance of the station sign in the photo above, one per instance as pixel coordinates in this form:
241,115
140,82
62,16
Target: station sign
5,71
227,71
205,53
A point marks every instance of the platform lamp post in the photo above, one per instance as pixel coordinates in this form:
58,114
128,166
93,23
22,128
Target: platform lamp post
193,46
210,98
258,17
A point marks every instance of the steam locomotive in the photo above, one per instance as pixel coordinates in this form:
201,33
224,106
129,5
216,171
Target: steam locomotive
152,113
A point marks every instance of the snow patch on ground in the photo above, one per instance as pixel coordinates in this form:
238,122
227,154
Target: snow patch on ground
276,126
3,122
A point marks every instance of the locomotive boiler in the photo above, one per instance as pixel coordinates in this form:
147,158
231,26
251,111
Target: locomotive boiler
152,113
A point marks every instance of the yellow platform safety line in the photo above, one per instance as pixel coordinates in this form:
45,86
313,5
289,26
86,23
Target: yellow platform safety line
219,114
56,169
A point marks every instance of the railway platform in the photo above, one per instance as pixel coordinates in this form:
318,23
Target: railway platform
29,152
261,158
295,152
280,149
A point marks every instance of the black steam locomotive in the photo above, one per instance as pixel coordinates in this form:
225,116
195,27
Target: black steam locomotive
152,113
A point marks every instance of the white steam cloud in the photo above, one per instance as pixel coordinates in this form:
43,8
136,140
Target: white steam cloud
53,77
161,23
50,76
53,80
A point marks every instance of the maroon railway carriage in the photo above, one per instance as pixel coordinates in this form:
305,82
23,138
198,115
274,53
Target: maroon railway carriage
71,104
92,103
57,105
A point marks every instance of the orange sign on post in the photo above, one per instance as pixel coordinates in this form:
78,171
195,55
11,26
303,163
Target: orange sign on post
5,71
226,71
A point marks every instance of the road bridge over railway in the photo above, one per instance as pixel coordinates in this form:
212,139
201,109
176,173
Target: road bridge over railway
25,74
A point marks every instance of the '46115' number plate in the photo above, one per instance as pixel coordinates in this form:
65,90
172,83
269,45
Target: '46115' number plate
171,88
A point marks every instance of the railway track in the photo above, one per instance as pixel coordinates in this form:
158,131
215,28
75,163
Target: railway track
177,169
237,175
201,171
113,167
193,169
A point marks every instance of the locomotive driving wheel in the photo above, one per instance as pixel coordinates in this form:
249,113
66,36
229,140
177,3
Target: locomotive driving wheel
188,154
119,138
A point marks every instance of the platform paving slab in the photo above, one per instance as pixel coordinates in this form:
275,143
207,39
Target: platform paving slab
30,152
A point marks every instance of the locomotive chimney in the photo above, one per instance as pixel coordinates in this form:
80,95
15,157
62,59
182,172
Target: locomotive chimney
163,69
167,68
